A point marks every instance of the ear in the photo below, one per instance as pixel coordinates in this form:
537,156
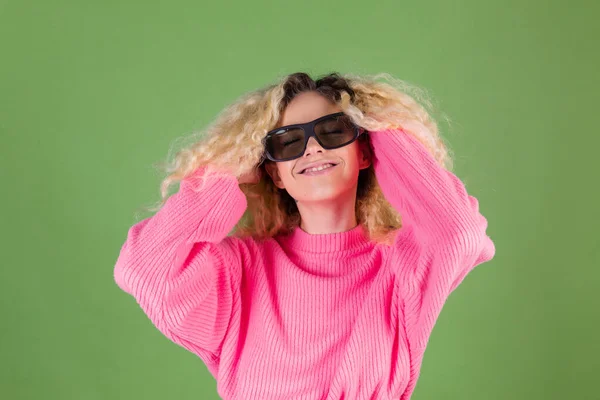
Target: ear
365,153
271,168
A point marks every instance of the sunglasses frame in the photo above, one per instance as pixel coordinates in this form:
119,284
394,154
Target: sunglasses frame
309,131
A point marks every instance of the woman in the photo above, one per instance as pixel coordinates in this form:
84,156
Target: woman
312,244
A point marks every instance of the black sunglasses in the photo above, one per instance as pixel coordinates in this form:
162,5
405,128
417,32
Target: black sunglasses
330,131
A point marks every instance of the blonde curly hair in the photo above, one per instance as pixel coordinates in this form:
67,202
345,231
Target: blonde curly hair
233,143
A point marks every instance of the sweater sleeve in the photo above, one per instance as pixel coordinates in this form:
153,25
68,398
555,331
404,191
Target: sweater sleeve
177,266
443,236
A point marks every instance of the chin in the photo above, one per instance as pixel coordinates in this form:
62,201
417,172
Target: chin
321,195
318,199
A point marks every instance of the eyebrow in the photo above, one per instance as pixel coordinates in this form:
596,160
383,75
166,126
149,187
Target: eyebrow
308,122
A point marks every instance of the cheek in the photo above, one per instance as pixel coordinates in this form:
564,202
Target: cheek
351,158
285,169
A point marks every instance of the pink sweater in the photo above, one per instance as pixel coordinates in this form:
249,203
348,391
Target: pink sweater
328,316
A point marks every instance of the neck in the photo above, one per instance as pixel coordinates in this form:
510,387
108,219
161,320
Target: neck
328,216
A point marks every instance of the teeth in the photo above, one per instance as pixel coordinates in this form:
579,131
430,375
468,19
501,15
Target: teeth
319,168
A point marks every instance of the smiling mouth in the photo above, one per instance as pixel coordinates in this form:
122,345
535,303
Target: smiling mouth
319,168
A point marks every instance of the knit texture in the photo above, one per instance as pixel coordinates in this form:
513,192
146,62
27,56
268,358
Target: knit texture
302,316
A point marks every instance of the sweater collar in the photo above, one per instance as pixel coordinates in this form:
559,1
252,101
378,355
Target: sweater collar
327,242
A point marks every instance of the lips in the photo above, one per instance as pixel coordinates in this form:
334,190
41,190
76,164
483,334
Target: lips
314,165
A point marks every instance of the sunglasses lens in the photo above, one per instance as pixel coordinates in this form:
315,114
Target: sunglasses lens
332,132
335,132
286,144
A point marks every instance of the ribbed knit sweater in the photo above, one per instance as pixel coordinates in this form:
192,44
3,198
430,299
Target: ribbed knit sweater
307,316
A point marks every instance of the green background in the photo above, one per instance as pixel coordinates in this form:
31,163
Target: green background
93,94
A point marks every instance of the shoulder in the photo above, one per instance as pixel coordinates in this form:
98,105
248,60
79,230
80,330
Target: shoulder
248,249
406,252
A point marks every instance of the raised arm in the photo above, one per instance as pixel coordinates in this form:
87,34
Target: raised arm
179,269
443,235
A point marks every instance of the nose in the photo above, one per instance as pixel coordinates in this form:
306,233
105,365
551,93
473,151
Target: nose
312,147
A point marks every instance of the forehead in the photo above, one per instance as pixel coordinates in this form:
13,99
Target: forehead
306,107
